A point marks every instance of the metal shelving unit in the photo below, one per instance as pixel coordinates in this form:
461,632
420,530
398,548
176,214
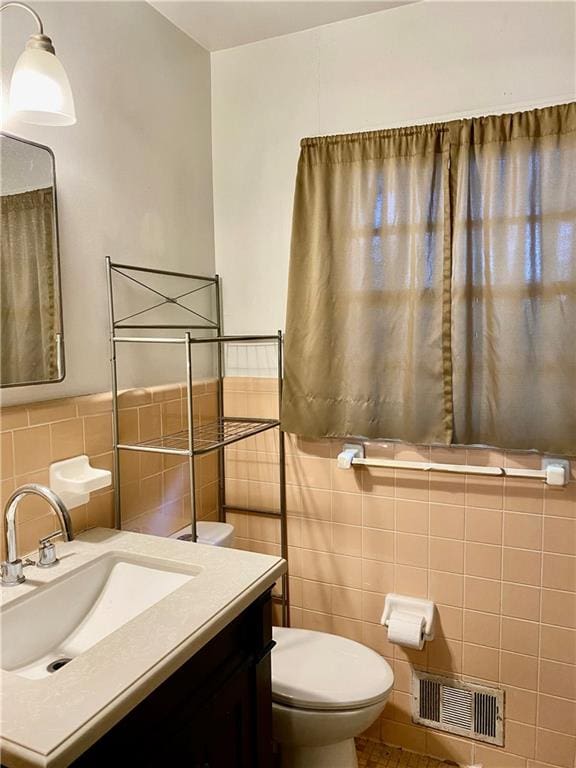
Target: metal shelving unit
196,439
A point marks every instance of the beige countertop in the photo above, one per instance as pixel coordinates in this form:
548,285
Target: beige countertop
52,720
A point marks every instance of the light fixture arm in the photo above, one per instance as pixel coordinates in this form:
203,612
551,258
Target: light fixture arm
26,8
39,40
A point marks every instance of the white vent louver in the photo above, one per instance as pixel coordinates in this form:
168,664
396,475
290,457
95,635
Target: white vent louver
460,708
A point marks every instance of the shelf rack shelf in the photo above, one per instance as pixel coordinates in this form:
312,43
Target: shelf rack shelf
196,439
207,437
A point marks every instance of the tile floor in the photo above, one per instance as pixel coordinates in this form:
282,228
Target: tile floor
373,754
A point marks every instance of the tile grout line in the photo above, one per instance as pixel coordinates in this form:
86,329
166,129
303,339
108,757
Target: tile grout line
500,635
540,612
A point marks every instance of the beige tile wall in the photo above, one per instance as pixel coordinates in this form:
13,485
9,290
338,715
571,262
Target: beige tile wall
497,556
155,489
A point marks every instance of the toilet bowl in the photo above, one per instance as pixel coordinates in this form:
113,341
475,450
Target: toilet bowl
217,534
326,690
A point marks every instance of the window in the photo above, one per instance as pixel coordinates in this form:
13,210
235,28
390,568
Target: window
432,291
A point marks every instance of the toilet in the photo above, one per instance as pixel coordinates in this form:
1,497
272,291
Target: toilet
326,690
216,534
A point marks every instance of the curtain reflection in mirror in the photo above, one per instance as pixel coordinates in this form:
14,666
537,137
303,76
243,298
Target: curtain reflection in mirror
27,291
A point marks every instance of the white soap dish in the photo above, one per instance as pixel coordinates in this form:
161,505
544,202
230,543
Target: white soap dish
74,480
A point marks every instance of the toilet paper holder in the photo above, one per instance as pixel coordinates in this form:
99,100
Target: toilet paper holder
416,605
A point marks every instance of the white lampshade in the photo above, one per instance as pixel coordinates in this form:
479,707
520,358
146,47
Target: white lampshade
40,92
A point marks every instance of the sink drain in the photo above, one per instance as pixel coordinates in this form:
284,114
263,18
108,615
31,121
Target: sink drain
57,664
185,537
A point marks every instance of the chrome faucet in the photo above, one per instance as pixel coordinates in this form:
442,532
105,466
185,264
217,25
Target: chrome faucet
12,567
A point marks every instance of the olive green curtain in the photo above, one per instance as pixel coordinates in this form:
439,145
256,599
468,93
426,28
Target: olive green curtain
27,296
514,280
432,278
364,338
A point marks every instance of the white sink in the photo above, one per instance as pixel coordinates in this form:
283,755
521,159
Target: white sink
71,614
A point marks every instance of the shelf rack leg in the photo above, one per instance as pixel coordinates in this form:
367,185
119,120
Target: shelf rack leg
190,407
220,373
283,511
115,435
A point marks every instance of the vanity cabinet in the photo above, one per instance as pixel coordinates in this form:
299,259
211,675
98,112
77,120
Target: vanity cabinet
213,712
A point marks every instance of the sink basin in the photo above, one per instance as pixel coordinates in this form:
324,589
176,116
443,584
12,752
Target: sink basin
44,630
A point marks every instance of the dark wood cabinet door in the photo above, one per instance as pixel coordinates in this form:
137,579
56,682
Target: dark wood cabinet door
233,727
214,712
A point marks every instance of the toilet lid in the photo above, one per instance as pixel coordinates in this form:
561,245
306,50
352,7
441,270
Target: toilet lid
315,670
208,532
213,533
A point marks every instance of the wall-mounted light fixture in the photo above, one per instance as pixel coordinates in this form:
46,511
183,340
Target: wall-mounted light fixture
40,92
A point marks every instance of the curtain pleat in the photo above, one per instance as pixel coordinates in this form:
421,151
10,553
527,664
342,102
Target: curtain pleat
514,281
365,334
432,279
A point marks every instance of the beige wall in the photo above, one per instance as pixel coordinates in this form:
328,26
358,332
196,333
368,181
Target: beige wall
424,62
498,556
134,175
155,490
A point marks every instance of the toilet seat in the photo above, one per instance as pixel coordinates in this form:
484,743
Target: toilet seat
318,671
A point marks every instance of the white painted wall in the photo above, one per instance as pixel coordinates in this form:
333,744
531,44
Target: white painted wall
23,167
421,63
134,174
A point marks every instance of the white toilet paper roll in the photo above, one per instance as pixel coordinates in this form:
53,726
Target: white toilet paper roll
406,629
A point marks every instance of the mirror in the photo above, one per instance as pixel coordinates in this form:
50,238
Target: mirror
31,331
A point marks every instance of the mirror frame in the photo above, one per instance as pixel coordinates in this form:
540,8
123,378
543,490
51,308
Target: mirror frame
61,356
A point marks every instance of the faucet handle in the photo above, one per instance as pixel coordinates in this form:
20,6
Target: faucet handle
12,573
47,550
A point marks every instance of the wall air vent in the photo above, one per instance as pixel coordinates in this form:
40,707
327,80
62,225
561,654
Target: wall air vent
463,709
